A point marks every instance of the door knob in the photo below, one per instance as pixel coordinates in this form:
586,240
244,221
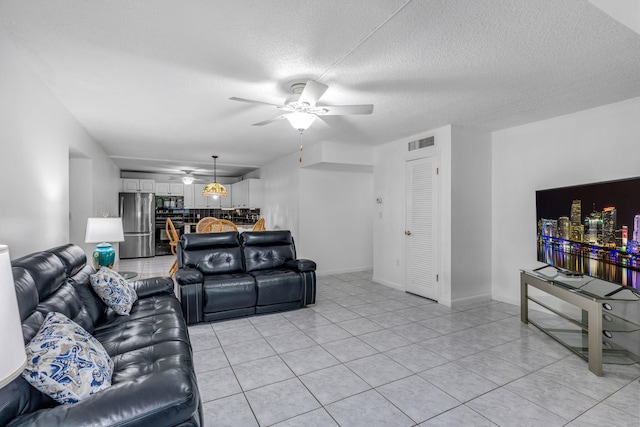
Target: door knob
408,233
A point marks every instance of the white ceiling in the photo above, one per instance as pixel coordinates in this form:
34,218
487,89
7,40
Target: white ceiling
150,79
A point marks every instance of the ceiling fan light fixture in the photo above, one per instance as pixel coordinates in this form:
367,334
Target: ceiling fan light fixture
214,189
188,179
300,121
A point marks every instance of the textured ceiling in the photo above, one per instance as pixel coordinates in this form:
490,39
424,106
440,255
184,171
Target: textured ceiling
150,79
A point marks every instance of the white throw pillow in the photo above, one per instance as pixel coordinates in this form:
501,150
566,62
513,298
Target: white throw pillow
66,362
114,290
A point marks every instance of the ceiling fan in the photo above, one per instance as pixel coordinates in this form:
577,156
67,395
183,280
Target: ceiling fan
301,108
188,178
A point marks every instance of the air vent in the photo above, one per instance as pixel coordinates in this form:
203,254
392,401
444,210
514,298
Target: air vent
422,143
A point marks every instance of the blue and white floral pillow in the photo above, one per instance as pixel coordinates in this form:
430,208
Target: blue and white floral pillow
66,362
114,290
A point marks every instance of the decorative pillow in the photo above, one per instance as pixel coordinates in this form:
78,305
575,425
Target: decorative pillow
66,362
114,290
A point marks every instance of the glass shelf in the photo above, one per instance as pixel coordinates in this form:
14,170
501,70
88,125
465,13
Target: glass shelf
598,320
589,287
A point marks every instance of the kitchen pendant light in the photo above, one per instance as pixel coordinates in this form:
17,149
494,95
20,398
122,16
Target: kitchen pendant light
214,189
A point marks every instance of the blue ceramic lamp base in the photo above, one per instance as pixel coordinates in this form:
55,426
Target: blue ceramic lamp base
104,255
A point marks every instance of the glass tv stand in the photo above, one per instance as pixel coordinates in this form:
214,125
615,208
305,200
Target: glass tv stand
596,319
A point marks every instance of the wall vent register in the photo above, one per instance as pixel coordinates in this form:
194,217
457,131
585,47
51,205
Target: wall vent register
422,143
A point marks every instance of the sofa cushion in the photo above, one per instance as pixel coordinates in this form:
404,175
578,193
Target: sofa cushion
145,307
133,334
72,256
228,291
46,269
277,286
114,290
65,362
266,250
211,253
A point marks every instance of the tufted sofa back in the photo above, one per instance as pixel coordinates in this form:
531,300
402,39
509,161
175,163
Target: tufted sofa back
211,253
267,249
55,280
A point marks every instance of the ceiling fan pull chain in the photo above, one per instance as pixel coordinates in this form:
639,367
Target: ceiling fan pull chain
300,159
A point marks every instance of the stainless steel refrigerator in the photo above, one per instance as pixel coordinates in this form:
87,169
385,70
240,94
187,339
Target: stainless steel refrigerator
137,211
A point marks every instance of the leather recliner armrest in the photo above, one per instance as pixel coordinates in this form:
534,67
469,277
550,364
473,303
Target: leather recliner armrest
301,265
153,286
188,276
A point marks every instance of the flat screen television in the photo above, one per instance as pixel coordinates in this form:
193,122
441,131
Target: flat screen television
592,229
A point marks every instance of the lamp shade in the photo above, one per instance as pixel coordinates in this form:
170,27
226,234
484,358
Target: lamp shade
214,189
12,357
104,230
301,121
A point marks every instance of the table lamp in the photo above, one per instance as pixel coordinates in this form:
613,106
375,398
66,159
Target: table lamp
12,357
102,231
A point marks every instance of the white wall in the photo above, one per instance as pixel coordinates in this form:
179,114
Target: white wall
470,215
625,11
336,219
590,146
37,135
327,207
280,207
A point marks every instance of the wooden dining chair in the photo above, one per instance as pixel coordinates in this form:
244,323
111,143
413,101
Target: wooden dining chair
172,234
203,223
219,226
259,225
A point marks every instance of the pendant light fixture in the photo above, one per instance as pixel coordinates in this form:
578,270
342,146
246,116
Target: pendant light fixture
214,189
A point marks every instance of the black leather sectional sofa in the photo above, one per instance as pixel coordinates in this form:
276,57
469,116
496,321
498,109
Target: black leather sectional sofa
153,382
224,275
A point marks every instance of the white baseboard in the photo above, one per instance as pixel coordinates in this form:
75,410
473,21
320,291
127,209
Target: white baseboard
508,301
468,300
387,283
343,270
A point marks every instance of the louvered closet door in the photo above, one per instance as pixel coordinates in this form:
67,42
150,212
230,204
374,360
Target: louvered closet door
421,228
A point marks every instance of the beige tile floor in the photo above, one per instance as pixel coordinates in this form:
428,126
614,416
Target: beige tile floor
368,355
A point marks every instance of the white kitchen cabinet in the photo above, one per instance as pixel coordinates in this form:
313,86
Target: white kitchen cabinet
189,200
204,202
134,185
169,189
227,201
247,194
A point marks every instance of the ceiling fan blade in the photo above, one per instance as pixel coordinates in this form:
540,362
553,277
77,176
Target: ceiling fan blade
266,122
313,90
252,101
320,123
339,110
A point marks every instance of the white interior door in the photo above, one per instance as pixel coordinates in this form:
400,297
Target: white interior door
420,228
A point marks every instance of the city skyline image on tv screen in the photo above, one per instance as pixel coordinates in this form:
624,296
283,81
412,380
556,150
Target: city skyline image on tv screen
592,229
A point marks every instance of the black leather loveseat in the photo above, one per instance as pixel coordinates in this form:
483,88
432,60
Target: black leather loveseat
153,381
223,275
